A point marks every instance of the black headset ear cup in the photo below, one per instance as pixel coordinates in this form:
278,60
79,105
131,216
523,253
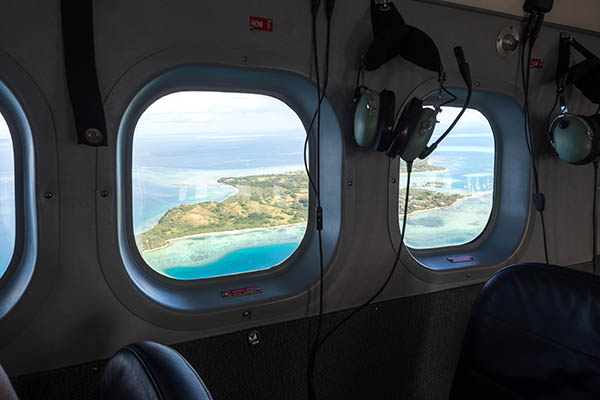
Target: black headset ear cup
385,127
408,120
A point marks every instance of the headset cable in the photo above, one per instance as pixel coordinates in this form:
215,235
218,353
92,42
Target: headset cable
388,278
595,219
329,7
530,34
465,72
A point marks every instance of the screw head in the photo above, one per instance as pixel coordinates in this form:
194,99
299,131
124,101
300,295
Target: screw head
104,193
469,275
48,195
93,136
394,180
244,58
254,338
350,183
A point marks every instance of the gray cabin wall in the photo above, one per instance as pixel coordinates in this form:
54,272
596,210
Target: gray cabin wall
82,320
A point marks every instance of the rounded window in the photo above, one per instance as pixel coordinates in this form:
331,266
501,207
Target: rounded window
218,184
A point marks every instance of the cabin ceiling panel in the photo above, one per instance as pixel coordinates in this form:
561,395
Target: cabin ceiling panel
581,14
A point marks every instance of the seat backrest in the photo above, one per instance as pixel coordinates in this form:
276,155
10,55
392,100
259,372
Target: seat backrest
534,333
150,371
6,389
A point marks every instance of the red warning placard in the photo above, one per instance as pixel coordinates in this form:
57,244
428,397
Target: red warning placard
537,63
228,294
261,24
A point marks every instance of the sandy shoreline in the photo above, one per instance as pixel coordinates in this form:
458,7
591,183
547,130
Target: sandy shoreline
218,233
457,202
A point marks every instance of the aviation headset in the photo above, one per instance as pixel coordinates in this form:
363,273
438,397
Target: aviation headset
576,138
375,124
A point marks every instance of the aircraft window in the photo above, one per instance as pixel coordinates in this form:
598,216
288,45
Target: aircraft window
452,192
218,184
7,197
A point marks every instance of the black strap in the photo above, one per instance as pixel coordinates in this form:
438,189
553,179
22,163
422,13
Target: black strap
80,66
392,37
584,75
564,59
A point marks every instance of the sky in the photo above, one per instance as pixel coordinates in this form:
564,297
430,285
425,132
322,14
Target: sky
217,112
472,122
4,132
231,114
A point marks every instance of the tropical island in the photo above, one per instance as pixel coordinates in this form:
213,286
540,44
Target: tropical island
423,199
261,201
422,166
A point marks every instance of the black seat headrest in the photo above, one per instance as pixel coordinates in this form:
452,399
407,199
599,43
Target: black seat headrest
150,371
534,333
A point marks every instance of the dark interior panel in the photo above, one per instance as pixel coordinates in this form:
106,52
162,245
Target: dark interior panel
401,349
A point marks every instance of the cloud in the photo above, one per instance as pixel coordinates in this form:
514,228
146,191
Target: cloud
472,122
4,132
203,113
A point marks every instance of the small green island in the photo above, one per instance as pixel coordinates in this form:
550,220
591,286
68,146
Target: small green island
261,201
423,199
422,166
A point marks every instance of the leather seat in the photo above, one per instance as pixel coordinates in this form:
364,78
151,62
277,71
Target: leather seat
150,371
7,392
534,333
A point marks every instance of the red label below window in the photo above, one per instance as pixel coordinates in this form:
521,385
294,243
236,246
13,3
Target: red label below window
537,63
228,294
261,24
461,259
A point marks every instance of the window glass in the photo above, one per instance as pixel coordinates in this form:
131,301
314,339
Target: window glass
452,192
218,184
7,197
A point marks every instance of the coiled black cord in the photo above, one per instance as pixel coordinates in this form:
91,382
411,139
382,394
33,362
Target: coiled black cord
538,197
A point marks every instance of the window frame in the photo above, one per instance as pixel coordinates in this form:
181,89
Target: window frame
432,265
192,304
127,169
32,270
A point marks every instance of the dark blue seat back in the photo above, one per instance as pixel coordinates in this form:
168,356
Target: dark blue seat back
150,371
534,333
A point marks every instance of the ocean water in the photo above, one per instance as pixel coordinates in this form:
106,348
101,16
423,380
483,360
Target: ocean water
185,170
237,262
7,203
211,249
469,160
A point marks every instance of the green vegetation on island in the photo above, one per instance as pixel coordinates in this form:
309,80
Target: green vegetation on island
421,166
423,199
262,201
